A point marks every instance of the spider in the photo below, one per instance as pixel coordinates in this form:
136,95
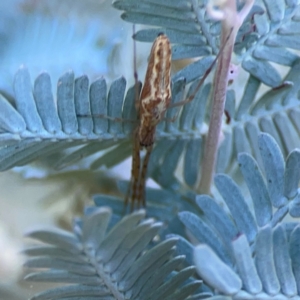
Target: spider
152,104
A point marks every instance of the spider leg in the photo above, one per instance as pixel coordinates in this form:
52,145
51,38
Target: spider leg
142,182
131,195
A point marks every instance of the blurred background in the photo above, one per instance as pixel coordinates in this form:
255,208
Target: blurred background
88,37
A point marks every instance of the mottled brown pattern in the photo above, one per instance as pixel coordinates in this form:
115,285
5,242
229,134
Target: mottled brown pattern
153,103
156,93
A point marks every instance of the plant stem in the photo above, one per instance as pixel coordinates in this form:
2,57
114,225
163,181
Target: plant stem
231,22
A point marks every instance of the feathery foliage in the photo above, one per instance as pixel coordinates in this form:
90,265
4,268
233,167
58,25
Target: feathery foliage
247,251
273,272
244,253
37,125
105,262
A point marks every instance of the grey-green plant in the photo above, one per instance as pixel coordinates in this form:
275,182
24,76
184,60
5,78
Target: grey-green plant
237,239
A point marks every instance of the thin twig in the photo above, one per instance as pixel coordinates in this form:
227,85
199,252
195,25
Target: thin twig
231,20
